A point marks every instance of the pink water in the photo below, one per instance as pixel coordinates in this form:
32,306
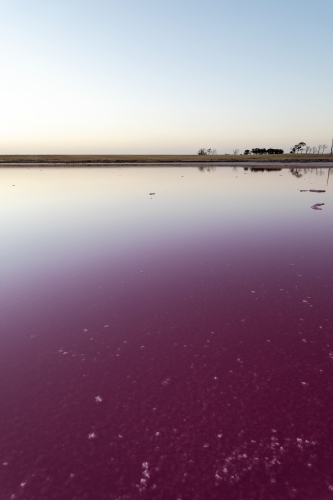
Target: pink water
168,346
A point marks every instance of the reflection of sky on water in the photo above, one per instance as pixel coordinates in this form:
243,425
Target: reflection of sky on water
177,345
58,219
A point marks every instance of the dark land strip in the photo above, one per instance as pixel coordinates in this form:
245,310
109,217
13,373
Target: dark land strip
225,160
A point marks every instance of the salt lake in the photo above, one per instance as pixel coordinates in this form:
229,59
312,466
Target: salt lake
166,333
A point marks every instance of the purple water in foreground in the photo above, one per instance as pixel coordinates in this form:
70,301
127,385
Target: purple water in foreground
168,346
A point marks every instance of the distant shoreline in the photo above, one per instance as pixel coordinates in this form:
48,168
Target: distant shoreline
221,160
206,165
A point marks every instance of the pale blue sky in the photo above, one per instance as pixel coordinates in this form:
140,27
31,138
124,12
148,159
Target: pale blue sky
144,76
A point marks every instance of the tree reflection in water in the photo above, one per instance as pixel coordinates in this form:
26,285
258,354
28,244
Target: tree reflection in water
205,168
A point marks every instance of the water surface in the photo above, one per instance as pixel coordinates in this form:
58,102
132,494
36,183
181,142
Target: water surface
175,345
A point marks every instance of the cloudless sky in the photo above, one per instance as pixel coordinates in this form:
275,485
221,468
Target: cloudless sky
150,76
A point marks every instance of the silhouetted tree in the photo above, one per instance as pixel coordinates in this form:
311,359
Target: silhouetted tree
259,151
202,151
298,148
264,151
235,151
272,151
324,146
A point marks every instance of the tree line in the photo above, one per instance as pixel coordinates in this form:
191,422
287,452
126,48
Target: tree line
263,151
301,147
